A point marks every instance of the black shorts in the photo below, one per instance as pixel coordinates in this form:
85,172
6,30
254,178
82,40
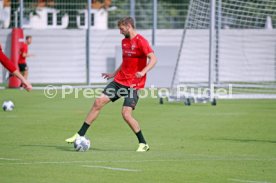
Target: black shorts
114,91
23,67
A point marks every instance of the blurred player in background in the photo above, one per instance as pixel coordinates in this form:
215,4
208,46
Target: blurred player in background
128,78
22,63
12,69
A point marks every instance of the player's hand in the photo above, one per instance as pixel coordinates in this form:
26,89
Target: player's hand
139,74
27,86
107,75
30,55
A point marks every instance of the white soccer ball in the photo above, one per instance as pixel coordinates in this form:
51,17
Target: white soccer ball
8,106
82,144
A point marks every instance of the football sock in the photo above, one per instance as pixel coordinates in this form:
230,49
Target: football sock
140,137
83,129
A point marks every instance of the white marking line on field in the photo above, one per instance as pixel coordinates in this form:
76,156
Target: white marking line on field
138,161
121,161
247,181
9,159
111,168
49,162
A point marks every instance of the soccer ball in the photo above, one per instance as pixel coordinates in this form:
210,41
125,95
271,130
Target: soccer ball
82,144
8,106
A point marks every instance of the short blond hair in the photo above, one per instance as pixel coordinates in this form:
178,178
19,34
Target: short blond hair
126,21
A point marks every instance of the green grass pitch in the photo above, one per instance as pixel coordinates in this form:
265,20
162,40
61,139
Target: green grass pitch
232,142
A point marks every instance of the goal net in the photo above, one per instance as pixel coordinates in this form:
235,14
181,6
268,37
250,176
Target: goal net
231,54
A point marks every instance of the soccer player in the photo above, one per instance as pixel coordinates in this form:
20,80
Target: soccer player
22,64
12,69
138,59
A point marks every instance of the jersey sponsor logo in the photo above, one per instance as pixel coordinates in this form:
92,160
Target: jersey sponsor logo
129,52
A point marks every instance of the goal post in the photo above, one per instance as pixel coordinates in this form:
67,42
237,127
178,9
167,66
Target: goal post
227,45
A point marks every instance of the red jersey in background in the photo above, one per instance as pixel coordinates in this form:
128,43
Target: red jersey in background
24,49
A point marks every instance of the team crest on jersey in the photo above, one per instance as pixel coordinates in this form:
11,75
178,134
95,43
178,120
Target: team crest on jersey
133,46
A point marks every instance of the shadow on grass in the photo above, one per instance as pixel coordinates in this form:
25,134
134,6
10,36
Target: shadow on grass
63,148
247,140
112,150
70,148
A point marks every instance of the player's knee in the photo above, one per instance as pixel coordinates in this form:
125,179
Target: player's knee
98,104
126,115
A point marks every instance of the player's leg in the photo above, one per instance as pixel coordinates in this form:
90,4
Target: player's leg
96,108
26,74
91,116
131,121
24,71
109,94
93,113
128,107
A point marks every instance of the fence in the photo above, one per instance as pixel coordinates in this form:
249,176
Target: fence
65,13
56,16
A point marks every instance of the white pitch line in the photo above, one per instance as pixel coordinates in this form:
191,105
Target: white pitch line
50,162
9,159
247,181
141,161
111,168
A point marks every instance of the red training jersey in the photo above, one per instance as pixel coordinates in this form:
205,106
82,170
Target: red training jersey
24,49
6,62
135,53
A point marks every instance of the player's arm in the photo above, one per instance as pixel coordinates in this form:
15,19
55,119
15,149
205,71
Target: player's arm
111,75
25,54
12,69
25,83
6,62
151,63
